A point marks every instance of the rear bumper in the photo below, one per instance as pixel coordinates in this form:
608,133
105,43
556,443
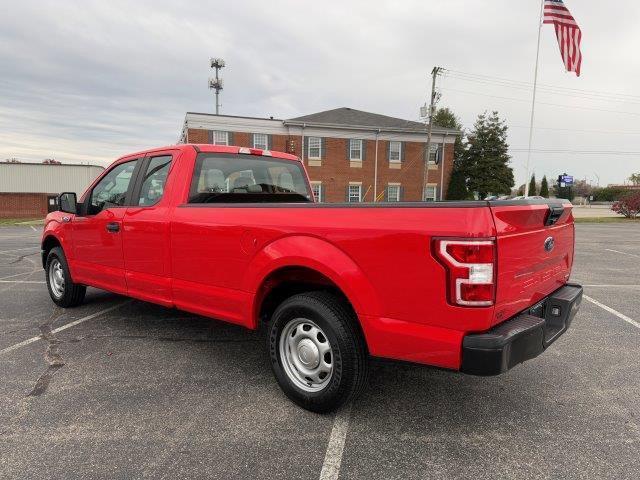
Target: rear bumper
523,337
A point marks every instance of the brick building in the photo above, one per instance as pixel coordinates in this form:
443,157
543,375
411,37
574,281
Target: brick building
29,190
351,155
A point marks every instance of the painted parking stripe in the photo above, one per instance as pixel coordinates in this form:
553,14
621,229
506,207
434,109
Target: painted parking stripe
335,448
22,281
622,253
610,285
63,327
611,310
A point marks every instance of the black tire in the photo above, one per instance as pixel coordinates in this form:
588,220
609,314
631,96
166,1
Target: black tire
72,294
349,355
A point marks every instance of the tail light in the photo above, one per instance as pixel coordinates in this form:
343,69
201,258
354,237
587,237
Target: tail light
470,266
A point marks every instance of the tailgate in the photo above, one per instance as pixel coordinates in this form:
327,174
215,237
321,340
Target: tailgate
535,243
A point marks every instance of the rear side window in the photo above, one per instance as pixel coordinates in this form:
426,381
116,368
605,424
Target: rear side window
228,178
154,180
111,190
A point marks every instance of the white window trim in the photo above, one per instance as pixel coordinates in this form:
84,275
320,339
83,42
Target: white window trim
319,147
396,185
435,193
266,141
215,139
399,160
351,149
319,185
359,185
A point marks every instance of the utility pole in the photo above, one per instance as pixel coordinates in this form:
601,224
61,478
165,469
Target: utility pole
216,83
434,74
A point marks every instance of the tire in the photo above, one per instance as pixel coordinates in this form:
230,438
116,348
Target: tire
304,328
62,290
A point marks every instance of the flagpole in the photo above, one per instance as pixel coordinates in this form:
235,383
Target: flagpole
533,101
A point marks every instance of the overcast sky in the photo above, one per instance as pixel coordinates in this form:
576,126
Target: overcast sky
89,81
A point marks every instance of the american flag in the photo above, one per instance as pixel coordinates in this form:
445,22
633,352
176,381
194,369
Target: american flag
567,31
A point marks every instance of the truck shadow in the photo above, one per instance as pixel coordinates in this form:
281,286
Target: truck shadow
411,397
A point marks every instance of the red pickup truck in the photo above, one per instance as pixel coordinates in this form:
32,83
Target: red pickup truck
235,234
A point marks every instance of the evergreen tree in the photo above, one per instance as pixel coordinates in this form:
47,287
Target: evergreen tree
487,159
544,187
457,190
457,186
532,186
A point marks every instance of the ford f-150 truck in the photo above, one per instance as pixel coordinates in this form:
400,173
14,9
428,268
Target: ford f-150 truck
235,234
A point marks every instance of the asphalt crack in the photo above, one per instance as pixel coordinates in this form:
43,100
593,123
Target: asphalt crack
52,355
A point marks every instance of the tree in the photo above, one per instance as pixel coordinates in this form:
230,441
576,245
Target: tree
582,188
487,158
629,205
532,186
544,187
51,161
11,160
457,189
635,178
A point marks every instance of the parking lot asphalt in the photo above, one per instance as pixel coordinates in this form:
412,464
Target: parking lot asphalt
141,391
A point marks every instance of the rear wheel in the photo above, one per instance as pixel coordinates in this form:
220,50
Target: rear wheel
62,290
317,353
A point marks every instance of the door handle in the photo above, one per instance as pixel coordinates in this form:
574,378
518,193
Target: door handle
113,227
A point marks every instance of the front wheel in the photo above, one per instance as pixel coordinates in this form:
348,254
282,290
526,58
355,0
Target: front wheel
318,355
62,290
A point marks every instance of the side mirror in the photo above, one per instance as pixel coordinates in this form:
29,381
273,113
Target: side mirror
68,202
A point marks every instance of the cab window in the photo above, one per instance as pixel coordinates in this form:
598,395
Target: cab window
111,190
154,180
228,178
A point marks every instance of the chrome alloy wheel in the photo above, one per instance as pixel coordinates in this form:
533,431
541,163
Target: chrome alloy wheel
56,278
306,355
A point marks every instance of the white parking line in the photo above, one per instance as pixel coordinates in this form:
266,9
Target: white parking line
608,285
623,253
611,310
33,228
63,327
22,281
333,457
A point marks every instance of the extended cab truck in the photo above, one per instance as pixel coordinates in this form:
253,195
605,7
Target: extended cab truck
234,234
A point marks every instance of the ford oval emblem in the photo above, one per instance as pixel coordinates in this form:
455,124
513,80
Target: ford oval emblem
549,243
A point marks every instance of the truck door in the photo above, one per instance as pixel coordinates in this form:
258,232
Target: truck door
97,235
146,234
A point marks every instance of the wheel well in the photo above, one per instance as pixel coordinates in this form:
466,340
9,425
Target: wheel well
289,281
48,243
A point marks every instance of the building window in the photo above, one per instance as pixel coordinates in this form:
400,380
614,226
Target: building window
434,155
314,151
261,141
355,150
354,193
220,138
393,193
395,152
316,188
430,193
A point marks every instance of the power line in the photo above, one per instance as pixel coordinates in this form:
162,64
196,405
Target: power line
550,91
579,107
506,81
576,152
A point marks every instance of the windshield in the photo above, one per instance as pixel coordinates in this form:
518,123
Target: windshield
229,178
